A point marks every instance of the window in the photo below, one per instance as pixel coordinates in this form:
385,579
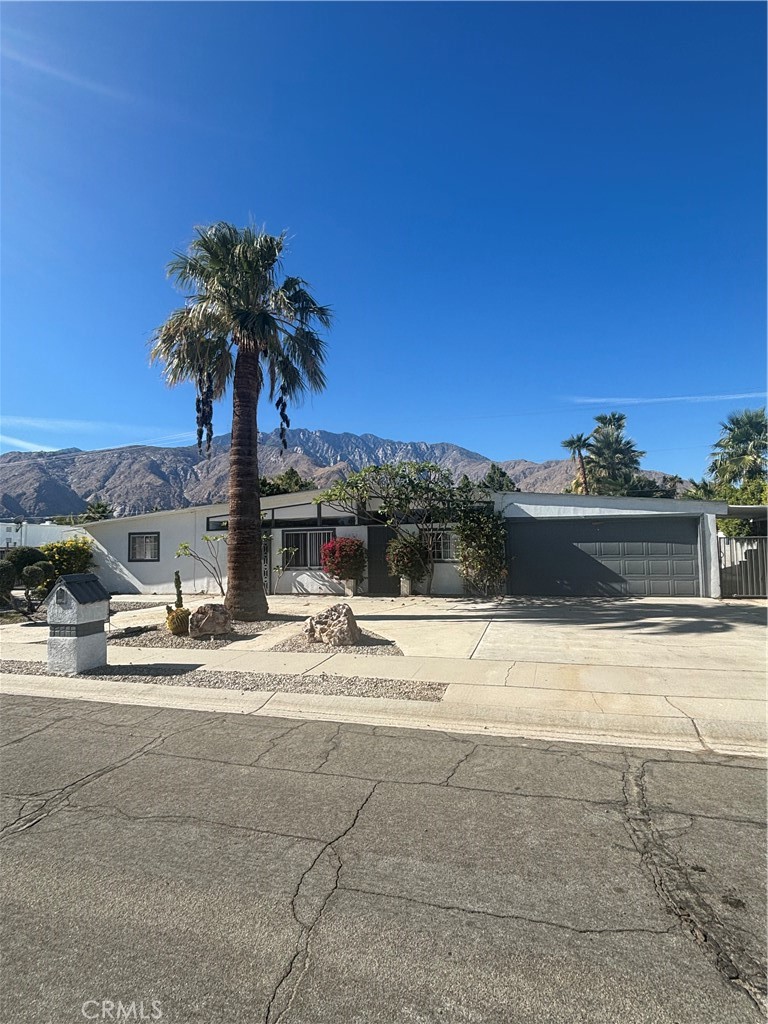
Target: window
445,547
307,544
143,547
217,524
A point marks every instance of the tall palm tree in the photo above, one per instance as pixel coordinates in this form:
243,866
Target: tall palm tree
577,445
241,324
740,453
612,459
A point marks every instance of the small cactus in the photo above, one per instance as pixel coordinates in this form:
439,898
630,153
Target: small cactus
177,584
178,621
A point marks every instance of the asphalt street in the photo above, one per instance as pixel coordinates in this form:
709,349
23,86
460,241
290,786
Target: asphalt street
216,868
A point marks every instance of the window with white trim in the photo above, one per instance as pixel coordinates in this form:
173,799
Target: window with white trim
143,547
301,548
445,547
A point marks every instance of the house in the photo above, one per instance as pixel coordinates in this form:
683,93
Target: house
557,545
18,533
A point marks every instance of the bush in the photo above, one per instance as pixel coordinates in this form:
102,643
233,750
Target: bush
68,556
32,577
408,558
20,558
343,558
482,557
49,574
7,578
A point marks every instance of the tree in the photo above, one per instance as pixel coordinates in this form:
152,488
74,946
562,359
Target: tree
95,511
291,480
741,452
241,324
576,444
403,495
613,459
498,479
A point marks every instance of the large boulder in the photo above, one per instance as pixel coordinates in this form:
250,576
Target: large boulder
336,627
210,620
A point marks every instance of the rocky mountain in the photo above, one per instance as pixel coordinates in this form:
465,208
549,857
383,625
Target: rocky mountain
142,478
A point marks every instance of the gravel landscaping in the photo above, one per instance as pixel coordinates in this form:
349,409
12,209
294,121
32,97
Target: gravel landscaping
372,643
159,636
134,606
187,675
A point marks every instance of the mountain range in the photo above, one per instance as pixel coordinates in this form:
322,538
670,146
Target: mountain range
143,478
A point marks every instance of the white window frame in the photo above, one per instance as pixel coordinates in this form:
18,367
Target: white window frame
445,546
148,537
309,558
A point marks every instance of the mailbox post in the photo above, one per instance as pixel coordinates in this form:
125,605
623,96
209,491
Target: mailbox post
78,607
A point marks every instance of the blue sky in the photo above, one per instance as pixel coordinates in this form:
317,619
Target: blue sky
522,214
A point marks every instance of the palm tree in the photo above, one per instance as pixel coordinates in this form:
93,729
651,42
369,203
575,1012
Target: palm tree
240,324
612,459
740,453
577,445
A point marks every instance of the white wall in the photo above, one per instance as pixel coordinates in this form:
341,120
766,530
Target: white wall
34,534
312,581
177,527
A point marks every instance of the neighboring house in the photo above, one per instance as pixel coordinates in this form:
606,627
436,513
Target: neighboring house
20,533
557,545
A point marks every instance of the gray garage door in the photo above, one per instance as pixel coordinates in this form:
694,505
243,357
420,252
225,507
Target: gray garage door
644,556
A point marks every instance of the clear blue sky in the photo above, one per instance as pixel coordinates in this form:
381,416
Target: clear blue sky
512,208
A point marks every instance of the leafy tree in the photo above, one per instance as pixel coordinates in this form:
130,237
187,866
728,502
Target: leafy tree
32,577
741,452
241,324
403,495
498,479
753,492
287,482
7,579
23,556
576,444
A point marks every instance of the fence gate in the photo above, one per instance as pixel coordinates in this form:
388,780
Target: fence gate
743,566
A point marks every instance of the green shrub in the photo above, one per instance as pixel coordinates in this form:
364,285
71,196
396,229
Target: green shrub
482,553
7,578
22,557
407,558
49,574
32,576
68,556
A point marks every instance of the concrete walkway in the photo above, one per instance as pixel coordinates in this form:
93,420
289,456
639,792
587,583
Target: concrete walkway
682,674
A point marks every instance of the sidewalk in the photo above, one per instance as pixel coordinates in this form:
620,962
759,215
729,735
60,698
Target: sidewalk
644,673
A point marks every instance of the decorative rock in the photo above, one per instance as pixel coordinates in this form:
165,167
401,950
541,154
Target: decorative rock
209,620
335,627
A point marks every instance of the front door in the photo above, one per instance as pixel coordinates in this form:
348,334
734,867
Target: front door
379,580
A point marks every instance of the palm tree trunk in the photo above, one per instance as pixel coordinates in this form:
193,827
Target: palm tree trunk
245,598
583,473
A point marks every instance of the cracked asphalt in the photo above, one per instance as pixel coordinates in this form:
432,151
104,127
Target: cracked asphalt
252,869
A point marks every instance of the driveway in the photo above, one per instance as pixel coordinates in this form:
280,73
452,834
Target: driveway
231,868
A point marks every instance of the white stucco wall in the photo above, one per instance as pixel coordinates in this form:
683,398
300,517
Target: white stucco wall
312,581
13,535
121,576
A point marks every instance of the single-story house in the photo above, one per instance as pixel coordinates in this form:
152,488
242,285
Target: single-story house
557,545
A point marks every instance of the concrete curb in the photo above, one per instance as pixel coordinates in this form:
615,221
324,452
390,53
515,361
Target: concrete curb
673,733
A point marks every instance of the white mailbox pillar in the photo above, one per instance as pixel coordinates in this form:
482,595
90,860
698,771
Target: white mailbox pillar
78,607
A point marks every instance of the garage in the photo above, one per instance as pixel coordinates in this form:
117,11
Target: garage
641,556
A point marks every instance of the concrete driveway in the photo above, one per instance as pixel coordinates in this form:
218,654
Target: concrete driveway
231,869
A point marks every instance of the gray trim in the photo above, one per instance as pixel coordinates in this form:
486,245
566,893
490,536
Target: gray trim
82,629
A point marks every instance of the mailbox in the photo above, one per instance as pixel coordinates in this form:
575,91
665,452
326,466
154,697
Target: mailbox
78,607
